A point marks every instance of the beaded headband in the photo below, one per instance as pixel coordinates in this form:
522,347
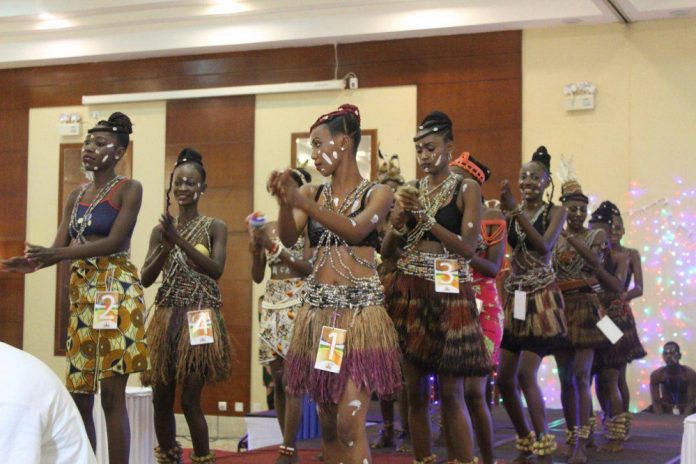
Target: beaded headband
464,163
432,127
342,110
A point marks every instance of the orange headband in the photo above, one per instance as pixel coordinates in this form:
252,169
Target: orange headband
464,163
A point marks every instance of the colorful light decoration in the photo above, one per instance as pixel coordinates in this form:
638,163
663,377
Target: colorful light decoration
663,230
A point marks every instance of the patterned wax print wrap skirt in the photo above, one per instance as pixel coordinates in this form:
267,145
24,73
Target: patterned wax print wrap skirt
278,309
628,348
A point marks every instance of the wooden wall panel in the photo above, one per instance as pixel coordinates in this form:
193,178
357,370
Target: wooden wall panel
222,129
476,78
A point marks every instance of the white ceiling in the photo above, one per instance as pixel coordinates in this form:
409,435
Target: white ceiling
44,32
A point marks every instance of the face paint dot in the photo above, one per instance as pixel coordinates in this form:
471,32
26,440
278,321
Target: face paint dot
195,196
351,443
111,145
292,258
464,187
331,142
184,179
470,225
460,237
374,219
365,461
335,155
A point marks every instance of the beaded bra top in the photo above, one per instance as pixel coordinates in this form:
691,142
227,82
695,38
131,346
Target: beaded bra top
315,229
182,285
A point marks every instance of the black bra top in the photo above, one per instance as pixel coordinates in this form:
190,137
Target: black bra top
513,238
315,229
448,216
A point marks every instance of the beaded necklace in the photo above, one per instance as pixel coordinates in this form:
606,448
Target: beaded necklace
431,206
330,239
79,225
521,252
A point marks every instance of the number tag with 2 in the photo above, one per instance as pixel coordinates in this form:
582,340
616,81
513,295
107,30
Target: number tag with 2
446,275
105,310
332,345
200,324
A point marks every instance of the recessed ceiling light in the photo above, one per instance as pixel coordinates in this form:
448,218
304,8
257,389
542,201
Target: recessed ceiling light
226,7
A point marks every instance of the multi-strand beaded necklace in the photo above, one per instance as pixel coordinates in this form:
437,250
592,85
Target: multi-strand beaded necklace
445,189
78,225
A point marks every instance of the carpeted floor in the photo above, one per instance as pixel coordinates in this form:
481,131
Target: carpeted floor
654,440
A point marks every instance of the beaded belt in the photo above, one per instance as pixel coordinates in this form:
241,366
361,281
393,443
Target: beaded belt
531,280
422,264
368,292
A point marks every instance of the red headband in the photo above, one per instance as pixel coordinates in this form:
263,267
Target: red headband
342,110
464,163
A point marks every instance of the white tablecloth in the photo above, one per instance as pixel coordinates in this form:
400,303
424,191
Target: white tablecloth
688,449
142,427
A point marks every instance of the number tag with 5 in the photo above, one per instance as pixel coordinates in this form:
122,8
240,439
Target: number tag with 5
332,345
200,324
105,310
446,276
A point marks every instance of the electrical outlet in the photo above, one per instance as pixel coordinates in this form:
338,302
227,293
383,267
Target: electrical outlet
238,407
222,405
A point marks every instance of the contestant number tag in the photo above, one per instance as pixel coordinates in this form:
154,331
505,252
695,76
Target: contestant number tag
446,276
675,411
479,305
332,345
519,309
105,310
609,329
200,324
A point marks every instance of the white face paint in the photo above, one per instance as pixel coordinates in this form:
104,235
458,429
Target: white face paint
470,225
195,196
184,179
335,155
105,158
111,145
327,158
352,221
438,161
96,168
464,187
331,142
365,461
374,219
351,443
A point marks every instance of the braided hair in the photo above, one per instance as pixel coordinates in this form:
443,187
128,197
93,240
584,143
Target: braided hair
345,120
542,157
118,124
187,156
435,122
301,176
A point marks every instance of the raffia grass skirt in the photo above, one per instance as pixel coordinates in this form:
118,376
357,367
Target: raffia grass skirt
173,358
438,332
628,347
582,311
544,324
371,359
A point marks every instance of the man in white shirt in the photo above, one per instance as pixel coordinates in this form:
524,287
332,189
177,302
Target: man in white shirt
39,422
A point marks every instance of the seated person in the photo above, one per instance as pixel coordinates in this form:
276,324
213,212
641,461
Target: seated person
673,386
39,422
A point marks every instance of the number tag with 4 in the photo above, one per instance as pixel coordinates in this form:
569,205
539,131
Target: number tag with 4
200,324
332,345
446,276
105,310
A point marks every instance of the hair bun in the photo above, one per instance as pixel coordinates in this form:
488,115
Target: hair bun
121,121
541,155
189,155
486,170
347,108
435,118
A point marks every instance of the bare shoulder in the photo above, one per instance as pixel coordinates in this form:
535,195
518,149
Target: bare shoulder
492,214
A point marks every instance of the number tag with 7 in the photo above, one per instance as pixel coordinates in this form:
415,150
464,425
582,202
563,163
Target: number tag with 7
446,276
200,324
332,345
105,310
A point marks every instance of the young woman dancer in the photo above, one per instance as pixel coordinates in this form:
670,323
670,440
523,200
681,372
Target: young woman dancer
343,296
577,261
610,362
486,265
278,310
533,313
436,224
95,234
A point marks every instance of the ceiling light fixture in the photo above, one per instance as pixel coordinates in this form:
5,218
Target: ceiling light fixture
288,87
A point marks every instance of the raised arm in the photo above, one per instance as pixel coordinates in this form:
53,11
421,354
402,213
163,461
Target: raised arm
489,266
593,258
157,254
213,265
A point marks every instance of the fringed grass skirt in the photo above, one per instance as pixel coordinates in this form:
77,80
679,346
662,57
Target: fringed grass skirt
544,325
628,347
277,313
582,312
371,357
93,354
438,332
173,358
